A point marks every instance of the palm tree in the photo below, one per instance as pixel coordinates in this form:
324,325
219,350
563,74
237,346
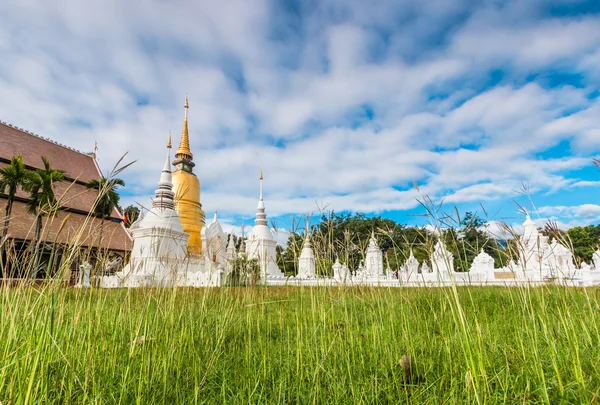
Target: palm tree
42,200
107,199
12,177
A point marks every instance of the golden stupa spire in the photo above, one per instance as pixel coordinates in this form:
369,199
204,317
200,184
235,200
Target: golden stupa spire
261,184
184,145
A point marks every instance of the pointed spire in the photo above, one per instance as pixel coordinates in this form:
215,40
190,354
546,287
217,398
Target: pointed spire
164,195
307,244
261,184
184,145
243,241
307,231
167,166
215,217
261,217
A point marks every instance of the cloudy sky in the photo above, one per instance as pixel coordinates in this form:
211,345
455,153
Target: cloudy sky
346,104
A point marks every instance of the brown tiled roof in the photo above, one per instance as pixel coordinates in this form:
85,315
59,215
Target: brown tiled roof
66,227
72,193
77,165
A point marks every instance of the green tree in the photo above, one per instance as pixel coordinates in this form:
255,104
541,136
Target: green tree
42,199
12,176
132,213
347,236
583,241
287,258
468,240
107,199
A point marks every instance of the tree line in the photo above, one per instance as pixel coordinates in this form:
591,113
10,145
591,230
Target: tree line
346,236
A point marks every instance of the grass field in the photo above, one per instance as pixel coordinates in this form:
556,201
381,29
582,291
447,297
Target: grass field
300,345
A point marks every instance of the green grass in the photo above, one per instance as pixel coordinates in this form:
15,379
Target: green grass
299,345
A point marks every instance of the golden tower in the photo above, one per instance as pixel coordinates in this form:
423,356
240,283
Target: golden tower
187,190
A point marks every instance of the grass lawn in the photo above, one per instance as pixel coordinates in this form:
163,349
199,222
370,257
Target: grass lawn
300,345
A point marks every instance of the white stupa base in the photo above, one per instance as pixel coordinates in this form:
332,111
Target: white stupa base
152,273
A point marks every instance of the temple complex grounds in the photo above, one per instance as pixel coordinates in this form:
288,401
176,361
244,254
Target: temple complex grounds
300,345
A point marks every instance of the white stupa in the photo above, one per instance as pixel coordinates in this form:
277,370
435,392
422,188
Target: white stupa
215,242
442,262
341,274
230,252
160,245
306,263
374,259
261,244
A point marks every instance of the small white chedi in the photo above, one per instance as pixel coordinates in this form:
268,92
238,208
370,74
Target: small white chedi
262,245
372,269
307,266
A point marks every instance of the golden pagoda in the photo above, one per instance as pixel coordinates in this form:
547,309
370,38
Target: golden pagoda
187,190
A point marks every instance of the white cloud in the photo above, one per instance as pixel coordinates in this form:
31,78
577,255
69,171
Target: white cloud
586,212
292,94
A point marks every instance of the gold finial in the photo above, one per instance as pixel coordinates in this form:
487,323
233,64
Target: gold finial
184,145
261,176
169,142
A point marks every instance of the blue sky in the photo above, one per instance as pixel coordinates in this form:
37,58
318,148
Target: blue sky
344,104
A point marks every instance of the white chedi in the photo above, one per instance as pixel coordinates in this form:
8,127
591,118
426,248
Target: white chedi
341,273
374,259
533,251
306,263
560,260
230,253
160,245
215,242
261,244
442,260
482,263
482,268
409,269
410,265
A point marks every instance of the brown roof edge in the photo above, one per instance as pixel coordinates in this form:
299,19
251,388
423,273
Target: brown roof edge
116,213
45,139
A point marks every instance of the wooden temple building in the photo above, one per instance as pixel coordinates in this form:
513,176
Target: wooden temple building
74,228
